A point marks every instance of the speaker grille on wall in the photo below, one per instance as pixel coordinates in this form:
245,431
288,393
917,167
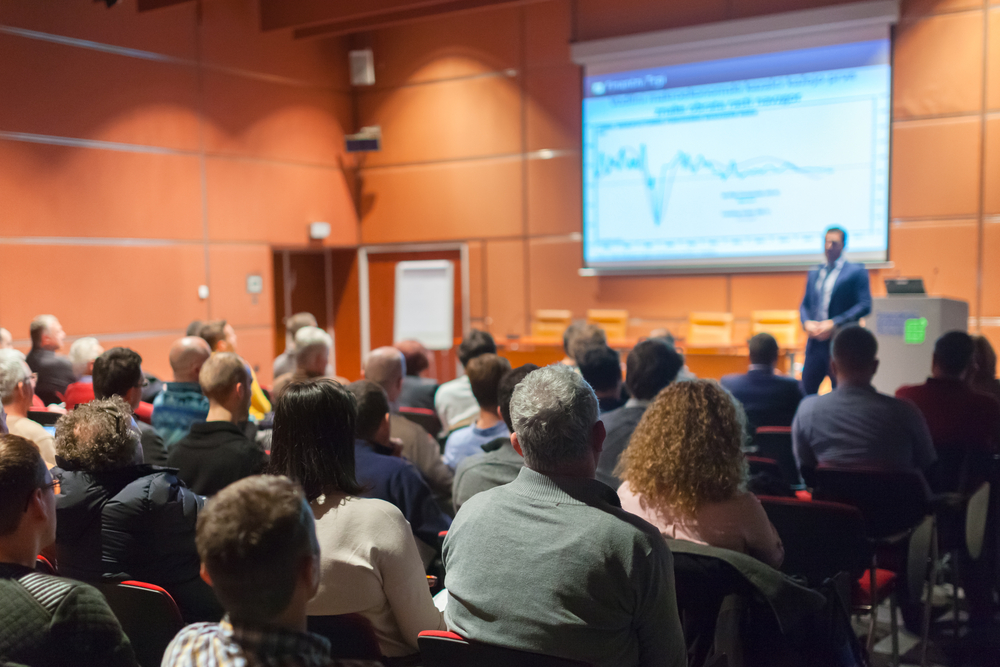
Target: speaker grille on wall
362,67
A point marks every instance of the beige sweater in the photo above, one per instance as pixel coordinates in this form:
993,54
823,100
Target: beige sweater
32,430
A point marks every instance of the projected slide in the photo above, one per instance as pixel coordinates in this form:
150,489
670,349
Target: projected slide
689,166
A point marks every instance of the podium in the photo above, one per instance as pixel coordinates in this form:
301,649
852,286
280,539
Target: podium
906,328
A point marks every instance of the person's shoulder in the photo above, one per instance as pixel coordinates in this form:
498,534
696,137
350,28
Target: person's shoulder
459,435
732,379
373,511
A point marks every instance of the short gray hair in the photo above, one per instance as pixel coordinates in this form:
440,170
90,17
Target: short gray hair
553,411
13,370
82,352
308,340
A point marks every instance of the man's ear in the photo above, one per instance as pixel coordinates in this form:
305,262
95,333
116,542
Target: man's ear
499,413
598,434
833,367
205,576
516,444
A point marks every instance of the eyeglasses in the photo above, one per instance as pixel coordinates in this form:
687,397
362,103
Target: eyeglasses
54,484
143,383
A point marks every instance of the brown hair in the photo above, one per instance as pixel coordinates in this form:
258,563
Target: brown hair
21,472
213,332
97,436
581,336
484,374
220,373
687,449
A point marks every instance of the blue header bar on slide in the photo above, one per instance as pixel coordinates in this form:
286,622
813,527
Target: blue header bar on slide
802,61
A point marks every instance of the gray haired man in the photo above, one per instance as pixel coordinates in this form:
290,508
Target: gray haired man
550,563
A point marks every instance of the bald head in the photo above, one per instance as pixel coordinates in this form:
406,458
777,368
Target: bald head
386,367
187,356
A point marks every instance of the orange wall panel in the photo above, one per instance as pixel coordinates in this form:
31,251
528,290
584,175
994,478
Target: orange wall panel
926,7
993,61
656,297
766,291
554,196
477,282
942,253
596,19
505,277
992,167
935,167
991,270
254,344
154,350
77,192
743,8
554,282
938,65
553,110
229,267
548,28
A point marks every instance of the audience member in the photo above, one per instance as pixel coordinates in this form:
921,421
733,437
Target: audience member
55,372
498,463
386,367
217,451
957,416
456,406
48,620
418,391
6,340
601,367
484,373
17,389
82,353
579,337
769,399
369,563
510,582
311,358
650,366
119,517
118,372
181,403
194,328
258,547
221,337
854,425
285,362
685,473
984,380
389,477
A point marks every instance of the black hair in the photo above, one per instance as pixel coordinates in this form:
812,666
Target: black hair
21,472
506,387
953,352
839,230
116,372
476,343
651,365
854,347
373,406
601,367
313,437
763,349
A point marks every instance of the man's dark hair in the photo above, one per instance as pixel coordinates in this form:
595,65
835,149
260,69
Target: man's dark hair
476,343
854,348
506,389
581,336
763,349
484,374
838,230
313,437
415,356
601,367
953,352
651,366
21,472
373,406
213,332
116,372
193,328
252,537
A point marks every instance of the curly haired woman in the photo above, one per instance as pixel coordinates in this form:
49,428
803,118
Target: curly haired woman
685,473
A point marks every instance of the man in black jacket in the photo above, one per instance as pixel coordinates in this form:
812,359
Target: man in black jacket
55,372
45,620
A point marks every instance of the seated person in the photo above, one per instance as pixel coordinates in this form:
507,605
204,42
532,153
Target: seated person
221,337
685,473
118,372
6,340
984,379
769,398
651,365
854,425
369,563
498,463
312,357
418,391
601,367
120,518
257,542
386,367
390,477
217,451
181,402
484,373
55,372
580,337
550,563
17,390
82,353
48,620
454,402
285,362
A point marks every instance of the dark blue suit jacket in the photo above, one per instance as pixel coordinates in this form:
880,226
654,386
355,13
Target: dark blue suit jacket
769,399
851,299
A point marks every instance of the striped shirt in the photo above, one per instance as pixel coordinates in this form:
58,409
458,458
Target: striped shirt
227,645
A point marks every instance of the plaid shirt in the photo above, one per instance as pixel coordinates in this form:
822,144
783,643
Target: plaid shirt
225,645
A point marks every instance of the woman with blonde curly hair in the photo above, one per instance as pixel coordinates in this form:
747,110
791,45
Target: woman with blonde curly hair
685,473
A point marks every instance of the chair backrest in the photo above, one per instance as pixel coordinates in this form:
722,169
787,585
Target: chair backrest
820,538
44,417
613,322
891,501
551,323
352,636
709,330
775,442
45,566
782,324
447,649
148,615
762,464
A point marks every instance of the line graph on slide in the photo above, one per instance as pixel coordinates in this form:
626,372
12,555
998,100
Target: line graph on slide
659,184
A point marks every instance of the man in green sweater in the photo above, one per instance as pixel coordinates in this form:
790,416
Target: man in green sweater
550,563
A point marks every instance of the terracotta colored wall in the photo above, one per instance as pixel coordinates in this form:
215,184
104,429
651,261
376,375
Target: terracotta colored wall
481,126
167,151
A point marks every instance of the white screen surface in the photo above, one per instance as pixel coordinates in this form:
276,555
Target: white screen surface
738,162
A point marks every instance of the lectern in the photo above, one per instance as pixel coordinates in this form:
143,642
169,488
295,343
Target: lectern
906,328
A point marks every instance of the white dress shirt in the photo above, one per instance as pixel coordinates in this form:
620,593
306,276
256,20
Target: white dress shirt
825,281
